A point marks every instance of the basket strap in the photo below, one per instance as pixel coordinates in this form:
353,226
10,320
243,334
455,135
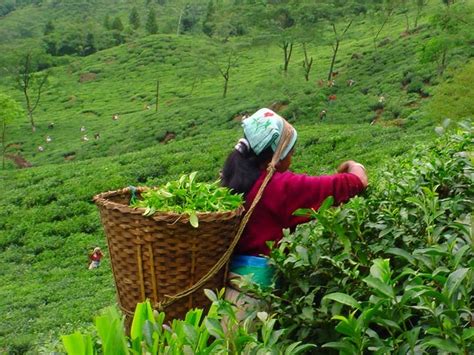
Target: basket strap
284,141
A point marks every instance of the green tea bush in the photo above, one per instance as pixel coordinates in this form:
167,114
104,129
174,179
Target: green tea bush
390,272
217,332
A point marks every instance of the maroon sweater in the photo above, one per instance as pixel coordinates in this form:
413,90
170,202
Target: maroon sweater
285,193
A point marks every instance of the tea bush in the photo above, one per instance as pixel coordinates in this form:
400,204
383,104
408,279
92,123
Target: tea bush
217,332
389,272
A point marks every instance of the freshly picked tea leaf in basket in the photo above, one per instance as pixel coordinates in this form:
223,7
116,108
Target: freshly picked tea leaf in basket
187,196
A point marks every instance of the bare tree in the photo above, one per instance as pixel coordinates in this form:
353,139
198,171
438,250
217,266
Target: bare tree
31,84
420,5
307,63
224,62
387,11
335,46
287,46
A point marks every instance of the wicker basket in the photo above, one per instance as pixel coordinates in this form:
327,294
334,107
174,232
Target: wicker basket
163,256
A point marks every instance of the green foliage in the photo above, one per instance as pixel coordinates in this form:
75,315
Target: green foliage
10,110
389,272
151,25
453,98
216,332
189,197
117,24
134,19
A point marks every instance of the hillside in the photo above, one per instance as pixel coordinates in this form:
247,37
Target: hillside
48,222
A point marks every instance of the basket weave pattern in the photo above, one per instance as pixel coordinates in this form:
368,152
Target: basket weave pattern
158,257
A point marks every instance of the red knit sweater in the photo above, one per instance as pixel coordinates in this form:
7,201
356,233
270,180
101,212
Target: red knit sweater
285,193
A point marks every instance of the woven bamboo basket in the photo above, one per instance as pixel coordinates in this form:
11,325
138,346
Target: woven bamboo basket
162,257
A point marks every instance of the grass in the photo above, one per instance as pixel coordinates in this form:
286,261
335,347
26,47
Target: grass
48,222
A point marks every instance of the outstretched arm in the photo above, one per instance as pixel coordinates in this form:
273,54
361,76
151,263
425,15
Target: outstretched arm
355,168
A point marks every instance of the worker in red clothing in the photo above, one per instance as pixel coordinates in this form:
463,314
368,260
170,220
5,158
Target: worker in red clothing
244,172
95,258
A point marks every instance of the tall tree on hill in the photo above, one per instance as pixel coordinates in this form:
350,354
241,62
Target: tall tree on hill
31,84
207,25
284,22
307,62
48,28
117,24
134,18
107,24
453,29
335,45
383,14
224,59
180,7
420,5
151,26
9,111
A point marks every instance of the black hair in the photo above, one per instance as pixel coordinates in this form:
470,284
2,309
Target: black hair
242,169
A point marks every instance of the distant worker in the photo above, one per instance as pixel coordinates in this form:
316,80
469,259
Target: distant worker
331,83
51,125
40,148
381,99
84,138
350,82
332,98
115,117
96,136
48,139
83,129
95,258
322,115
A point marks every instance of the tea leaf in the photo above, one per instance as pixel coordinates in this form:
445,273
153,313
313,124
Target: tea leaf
78,344
442,344
193,219
343,298
454,281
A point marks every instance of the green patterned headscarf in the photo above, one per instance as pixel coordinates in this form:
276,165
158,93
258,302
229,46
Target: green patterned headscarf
263,129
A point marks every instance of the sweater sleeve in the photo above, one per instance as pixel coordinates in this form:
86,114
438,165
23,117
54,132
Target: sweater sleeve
303,191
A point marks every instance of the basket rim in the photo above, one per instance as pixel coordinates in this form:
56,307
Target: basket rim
102,200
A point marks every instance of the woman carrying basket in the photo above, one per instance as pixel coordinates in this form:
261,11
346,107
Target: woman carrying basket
263,158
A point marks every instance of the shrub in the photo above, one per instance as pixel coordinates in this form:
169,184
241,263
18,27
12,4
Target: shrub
389,272
218,331
415,86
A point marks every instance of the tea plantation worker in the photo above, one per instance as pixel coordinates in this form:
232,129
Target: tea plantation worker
244,172
95,258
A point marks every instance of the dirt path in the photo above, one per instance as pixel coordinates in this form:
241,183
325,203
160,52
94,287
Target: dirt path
19,161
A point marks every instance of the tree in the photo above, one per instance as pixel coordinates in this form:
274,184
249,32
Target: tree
48,28
453,31
180,6
134,19
335,46
224,59
151,26
117,24
383,14
31,84
107,22
284,23
420,5
307,63
9,111
89,45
